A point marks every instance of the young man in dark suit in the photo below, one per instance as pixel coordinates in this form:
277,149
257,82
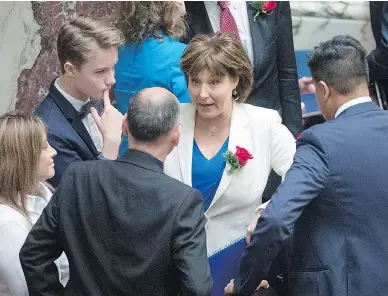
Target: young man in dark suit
333,201
126,227
87,52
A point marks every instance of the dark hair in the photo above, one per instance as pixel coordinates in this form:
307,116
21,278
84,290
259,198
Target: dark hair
222,54
340,62
142,19
150,117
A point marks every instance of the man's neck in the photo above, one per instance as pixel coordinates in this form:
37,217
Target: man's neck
66,85
157,151
357,94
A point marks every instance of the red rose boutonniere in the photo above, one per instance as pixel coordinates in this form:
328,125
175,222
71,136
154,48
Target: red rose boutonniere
263,8
237,160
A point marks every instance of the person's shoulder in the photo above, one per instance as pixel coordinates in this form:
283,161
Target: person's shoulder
180,190
79,168
45,106
9,215
49,112
173,48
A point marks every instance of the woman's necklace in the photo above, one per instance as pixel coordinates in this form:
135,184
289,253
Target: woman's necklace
214,133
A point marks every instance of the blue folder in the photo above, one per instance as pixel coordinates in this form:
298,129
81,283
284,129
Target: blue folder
223,264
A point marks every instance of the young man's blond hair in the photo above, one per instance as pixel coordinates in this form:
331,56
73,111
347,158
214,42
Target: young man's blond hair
78,38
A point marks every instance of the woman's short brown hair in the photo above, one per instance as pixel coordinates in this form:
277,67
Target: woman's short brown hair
142,19
222,54
21,143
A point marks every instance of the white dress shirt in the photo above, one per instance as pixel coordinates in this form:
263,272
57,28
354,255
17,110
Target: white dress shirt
352,103
239,11
14,228
88,121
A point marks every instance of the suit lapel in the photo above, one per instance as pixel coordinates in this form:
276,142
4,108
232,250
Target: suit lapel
185,147
73,118
262,31
198,19
238,136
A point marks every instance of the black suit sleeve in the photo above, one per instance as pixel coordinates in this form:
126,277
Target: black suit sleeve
42,247
189,247
288,77
378,58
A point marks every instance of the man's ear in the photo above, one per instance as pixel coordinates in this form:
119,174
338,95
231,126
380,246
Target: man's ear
69,69
176,135
325,90
124,126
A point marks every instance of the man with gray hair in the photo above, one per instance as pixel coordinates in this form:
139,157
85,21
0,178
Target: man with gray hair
126,227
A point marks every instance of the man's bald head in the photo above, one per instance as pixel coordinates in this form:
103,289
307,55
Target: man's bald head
152,113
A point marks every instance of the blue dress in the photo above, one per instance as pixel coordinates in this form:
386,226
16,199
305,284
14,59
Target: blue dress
149,64
207,173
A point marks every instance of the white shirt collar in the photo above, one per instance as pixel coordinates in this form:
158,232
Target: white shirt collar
351,103
36,204
77,104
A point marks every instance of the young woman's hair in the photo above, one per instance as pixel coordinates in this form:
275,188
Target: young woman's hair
21,143
142,19
221,54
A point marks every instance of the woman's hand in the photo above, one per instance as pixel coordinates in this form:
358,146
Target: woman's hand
252,226
229,289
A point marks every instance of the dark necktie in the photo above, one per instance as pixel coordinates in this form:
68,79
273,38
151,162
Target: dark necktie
227,21
85,110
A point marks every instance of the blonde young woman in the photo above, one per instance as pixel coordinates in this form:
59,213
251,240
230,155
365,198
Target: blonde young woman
26,162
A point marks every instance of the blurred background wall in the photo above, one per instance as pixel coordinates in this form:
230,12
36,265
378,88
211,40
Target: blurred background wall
28,32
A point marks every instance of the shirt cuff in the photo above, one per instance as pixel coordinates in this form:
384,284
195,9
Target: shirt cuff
262,207
101,157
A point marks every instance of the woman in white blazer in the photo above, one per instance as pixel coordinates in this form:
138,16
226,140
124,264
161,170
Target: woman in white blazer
26,161
219,79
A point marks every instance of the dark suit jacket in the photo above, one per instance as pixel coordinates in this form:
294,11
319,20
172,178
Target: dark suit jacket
126,229
275,76
65,132
378,58
334,202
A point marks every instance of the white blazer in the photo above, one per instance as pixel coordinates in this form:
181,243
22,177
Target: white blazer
14,228
259,130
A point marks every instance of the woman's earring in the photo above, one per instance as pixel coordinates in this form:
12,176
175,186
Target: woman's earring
234,93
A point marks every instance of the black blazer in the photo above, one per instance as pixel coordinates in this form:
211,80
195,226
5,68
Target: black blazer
65,132
126,229
275,77
378,58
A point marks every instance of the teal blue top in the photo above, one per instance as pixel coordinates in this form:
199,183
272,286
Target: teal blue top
149,64
207,173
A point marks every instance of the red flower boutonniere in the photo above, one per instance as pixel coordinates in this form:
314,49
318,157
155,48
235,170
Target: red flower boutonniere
263,8
237,160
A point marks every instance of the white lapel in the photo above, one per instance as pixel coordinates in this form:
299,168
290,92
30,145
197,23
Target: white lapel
185,146
238,136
